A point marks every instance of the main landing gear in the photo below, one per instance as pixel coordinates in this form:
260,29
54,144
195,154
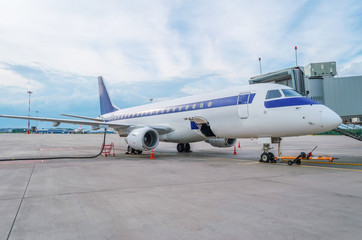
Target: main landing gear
131,150
183,147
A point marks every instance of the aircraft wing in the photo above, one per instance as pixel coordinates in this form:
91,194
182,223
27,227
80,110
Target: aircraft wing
57,121
87,118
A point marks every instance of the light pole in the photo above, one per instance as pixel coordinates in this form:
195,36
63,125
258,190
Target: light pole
29,92
296,55
36,129
260,65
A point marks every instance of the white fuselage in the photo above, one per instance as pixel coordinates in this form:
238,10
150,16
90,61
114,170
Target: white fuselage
242,112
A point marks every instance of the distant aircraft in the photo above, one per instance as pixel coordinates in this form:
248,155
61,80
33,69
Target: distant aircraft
77,130
264,111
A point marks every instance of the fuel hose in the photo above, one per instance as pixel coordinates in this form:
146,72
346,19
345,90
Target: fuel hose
59,157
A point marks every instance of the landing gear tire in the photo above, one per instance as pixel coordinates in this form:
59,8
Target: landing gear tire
265,157
290,162
180,147
130,150
187,147
272,157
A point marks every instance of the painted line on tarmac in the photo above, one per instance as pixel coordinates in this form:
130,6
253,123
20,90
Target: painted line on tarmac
331,163
57,149
252,162
248,163
334,163
343,169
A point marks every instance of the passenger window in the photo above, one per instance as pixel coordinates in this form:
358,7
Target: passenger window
273,94
291,93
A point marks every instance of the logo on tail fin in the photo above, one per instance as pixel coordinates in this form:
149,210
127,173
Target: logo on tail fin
104,100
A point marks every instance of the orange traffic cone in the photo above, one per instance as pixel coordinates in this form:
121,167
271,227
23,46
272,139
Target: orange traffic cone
238,144
151,154
235,150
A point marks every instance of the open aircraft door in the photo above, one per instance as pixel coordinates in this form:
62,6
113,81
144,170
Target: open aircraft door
243,104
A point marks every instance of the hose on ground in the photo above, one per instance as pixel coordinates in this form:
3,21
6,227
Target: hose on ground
59,157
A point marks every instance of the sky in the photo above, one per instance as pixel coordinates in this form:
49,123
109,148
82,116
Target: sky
160,49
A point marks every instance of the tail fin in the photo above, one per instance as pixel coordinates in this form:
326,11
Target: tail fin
105,102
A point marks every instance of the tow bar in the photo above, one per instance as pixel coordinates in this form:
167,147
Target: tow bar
303,156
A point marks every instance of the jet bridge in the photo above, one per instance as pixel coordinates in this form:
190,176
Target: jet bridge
291,77
350,130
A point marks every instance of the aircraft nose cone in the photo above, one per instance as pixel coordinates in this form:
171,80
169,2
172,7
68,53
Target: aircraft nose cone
330,119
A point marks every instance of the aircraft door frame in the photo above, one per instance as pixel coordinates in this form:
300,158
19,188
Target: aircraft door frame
243,104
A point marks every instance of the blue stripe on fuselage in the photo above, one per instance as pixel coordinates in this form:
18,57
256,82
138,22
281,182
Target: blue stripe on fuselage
202,105
286,102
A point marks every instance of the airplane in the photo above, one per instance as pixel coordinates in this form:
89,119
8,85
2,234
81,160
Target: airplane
78,130
265,111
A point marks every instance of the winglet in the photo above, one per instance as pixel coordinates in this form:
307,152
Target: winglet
105,102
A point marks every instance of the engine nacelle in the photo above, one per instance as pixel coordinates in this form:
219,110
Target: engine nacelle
144,138
221,142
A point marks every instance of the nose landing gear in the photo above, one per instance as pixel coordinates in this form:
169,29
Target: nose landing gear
268,156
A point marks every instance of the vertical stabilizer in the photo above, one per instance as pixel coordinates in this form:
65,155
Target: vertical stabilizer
104,100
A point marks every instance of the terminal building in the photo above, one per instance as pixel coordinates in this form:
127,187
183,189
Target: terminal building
320,82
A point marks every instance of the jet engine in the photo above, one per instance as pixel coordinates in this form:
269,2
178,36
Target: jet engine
144,138
221,142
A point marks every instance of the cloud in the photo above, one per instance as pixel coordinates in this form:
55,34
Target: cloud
132,41
351,68
122,40
17,82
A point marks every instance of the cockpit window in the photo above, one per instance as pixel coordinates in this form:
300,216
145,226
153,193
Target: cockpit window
291,93
273,94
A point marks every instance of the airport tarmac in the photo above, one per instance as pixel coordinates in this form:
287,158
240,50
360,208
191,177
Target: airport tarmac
209,193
